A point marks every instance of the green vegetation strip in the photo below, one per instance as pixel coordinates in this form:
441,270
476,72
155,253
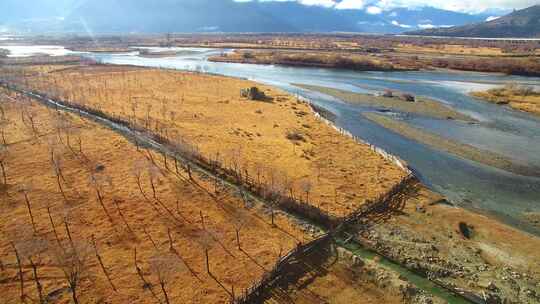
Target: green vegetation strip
415,279
423,106
462,150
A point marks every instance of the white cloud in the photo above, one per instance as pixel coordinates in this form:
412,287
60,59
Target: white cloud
374,10
430,26
350,4
394,22
325,3
491,18
452,5
458,5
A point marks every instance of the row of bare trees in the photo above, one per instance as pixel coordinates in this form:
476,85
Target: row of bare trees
267,180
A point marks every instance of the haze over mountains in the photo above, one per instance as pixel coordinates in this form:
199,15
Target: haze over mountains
523,23
105,16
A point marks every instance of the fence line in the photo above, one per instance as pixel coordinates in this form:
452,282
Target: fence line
271,278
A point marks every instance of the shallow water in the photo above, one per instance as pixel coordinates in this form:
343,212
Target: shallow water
501,130
32,50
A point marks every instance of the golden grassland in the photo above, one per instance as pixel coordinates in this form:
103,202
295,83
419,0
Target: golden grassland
311,59
449,49
515,98
280,141
166,229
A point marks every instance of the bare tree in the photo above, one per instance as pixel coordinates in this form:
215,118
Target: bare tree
98,181
239,218
4,153
4,125
153,174
18,233
116,202
164,267
73,261
31,115
146,284
56,161
51,220
205,239
100,260
25,189
32,250
21,274
306,186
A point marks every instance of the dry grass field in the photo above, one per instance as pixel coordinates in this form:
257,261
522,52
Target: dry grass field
449,49
279,140
311,59
78,200
523,99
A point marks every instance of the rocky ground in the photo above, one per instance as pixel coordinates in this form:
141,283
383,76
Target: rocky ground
461,250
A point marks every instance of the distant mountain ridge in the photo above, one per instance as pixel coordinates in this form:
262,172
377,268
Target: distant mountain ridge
523,23
215,16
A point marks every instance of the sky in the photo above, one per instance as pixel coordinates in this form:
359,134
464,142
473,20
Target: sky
375,6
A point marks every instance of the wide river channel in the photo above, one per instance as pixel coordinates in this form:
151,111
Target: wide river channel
464,182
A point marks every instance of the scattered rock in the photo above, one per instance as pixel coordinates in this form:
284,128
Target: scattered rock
253,93
465,230
491,286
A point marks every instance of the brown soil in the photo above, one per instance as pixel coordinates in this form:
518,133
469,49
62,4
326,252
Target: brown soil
425,234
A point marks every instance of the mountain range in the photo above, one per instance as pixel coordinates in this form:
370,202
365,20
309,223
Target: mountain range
523,23
141,16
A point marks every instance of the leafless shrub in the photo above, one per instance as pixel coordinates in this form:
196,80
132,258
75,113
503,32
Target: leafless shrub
306,186
4,125
4,154
206,240
73,262
25,189
165,267
32,250
98,181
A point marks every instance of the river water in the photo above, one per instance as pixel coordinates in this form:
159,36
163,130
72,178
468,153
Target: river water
464,182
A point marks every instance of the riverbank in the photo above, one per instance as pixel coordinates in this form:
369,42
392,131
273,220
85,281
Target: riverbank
384,60
526,99
421,105
462,150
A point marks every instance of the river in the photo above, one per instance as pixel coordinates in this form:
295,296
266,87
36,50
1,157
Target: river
466,183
